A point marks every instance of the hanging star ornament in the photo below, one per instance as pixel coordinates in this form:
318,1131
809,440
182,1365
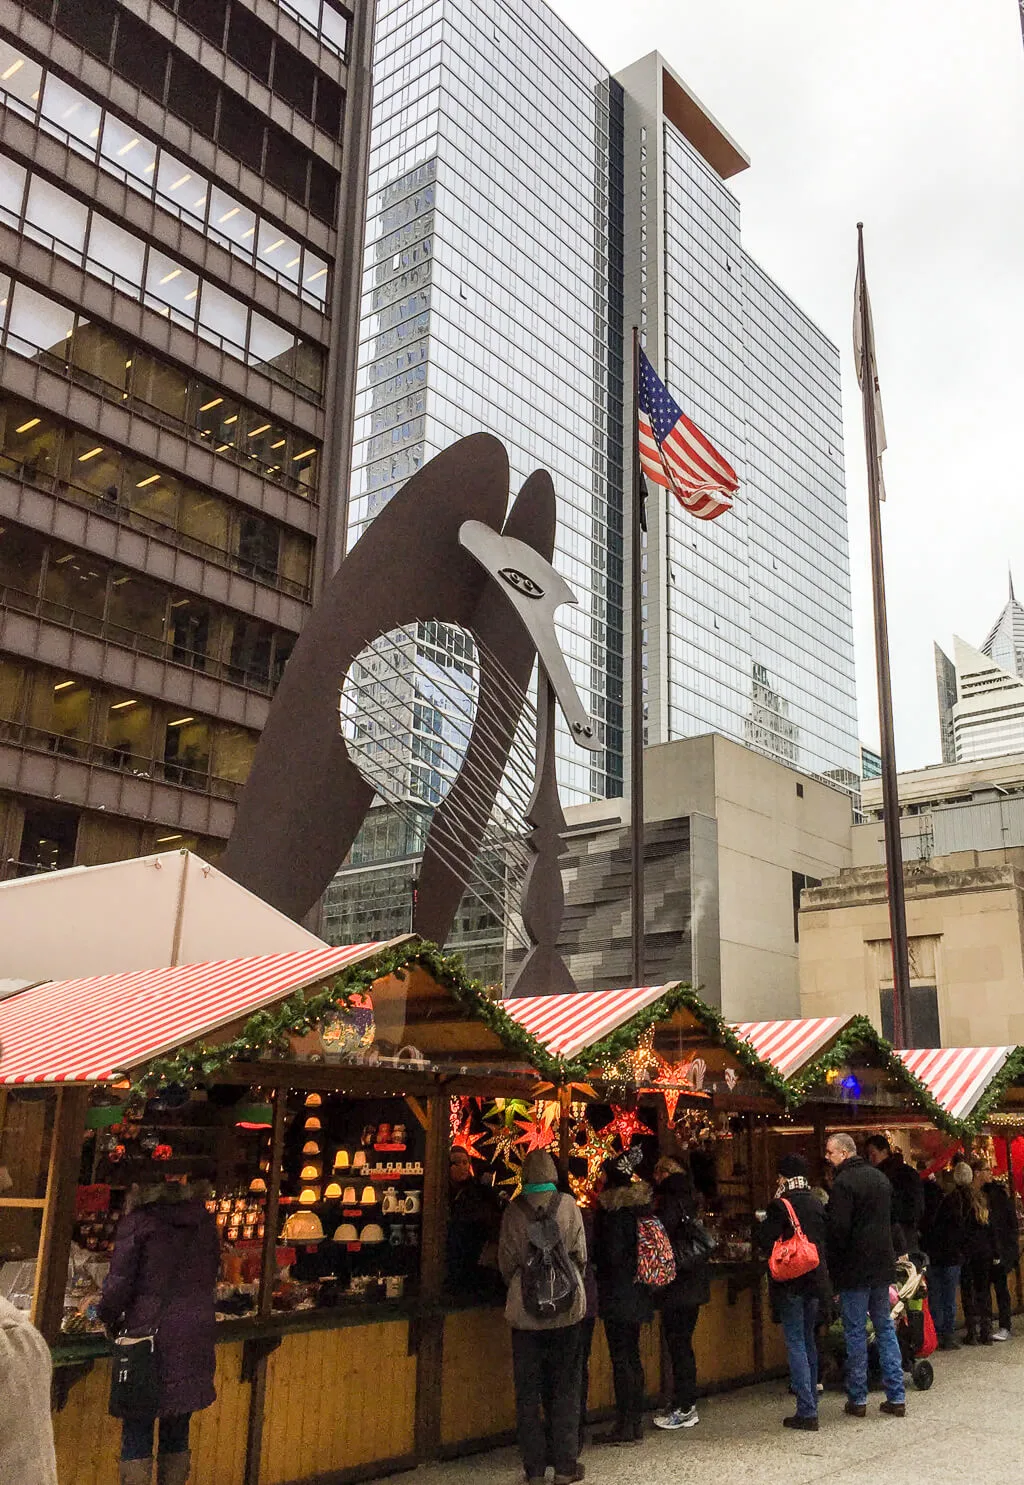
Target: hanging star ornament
536,1135
547,1110
625,1126
514,1178
502,1142
466,1140
508,1109
595,1147
672,1078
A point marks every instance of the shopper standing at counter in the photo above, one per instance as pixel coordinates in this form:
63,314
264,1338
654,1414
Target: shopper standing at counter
623,1303
680,1301
547,1353
162,1280
862,1265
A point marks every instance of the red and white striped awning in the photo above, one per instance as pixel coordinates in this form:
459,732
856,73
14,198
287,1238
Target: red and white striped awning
86,1031
565,1024
790,1045
956,1077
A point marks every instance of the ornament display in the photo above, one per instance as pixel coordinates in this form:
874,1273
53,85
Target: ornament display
625,1124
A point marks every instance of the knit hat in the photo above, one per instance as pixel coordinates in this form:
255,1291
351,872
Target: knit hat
619,1169
962,1173
793,1165
539,1169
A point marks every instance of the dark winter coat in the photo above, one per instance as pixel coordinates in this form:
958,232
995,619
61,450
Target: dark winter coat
933,1196
676,1206
979,1237
945,1235
1003,1221
162,1278
811,1215
858,1223
619,1296
907,1192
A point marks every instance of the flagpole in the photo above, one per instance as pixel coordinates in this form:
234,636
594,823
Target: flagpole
890,789
636,678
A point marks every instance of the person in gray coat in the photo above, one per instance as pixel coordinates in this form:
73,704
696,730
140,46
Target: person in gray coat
26,1429
547,1354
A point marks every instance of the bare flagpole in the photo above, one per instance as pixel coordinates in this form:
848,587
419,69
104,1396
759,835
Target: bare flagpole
890,790
636,680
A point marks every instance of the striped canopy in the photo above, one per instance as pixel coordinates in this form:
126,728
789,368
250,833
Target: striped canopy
87,1031
956,1077
566,1024
790,1045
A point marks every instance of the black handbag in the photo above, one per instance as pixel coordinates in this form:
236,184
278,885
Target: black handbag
134,1382
692,1246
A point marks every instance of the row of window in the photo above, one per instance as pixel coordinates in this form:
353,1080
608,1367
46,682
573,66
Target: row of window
77,719
93,596
122,150
46,836
42,449
123,372
66,227
145,59
256,47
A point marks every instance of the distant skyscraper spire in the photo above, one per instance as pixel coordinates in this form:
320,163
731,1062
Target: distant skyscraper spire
1010,569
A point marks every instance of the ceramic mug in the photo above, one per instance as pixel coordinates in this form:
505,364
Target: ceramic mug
412,1202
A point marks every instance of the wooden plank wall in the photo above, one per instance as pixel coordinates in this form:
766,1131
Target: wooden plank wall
88,1440
337,1399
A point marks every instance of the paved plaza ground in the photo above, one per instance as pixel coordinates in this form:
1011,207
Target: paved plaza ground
969,1427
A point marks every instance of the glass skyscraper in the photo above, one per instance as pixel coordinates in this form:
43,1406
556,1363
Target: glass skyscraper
524,208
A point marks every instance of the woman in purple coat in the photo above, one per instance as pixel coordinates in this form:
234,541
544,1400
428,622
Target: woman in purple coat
162,1279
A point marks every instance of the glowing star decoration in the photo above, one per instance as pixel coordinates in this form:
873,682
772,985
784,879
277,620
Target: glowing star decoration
509,1109
514,1178
732,1077
595,1148
536,1135
672,1078
547,1111
625,1125
458,1113
634,1067
503,1142
466,1140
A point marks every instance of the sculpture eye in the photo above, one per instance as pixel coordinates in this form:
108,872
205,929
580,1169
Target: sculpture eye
521,582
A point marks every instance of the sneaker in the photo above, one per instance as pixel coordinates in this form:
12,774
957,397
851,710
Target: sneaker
1002,1334
677,1419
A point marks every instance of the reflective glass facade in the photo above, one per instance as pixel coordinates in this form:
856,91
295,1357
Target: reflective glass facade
492,297
756,605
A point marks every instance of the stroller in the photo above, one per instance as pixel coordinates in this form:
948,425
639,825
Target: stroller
915,1330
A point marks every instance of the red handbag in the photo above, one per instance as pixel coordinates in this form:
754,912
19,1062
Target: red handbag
794,1256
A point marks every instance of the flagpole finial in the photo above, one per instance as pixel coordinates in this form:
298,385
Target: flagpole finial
860,226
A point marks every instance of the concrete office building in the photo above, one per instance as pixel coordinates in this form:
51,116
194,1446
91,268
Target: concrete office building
181,201
962,828
981,692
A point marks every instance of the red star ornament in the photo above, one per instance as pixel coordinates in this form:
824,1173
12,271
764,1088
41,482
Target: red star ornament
468,1141
626,1125
536,1135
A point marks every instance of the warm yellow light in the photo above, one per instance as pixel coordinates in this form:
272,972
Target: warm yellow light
174,273
126,148
261,429
32,422
180,721
90,454
12,69
229,214
119,706
304,455
215,403
150,480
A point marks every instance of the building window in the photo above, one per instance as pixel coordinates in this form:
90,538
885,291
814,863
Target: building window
800,881
48,839
924,1015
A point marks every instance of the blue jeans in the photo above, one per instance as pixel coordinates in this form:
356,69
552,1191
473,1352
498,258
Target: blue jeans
137,1436
799,1315
856,1306
942,1287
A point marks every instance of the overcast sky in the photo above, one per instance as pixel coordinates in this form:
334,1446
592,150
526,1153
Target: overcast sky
908,114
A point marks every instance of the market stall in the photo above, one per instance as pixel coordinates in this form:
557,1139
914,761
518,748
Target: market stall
305,1096
657,1064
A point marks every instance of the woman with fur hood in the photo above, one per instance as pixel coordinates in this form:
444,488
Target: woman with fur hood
623,1303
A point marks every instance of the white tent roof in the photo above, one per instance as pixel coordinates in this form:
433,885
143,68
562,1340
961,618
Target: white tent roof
148,913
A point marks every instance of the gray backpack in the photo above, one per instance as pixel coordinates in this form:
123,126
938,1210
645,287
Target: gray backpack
548,1278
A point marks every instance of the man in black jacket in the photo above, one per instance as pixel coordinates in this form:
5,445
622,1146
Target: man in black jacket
1006,1241
907,1192
861,1263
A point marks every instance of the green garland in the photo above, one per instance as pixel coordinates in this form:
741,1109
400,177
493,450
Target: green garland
858,1034
265,1034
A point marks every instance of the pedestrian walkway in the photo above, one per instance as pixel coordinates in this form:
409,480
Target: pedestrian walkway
969,1426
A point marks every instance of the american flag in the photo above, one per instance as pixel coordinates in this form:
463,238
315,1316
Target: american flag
675,453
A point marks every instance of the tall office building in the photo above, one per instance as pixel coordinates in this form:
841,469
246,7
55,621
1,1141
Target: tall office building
521,200
749,629
981,692
182,189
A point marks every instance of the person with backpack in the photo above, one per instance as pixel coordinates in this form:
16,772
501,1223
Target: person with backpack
681,1300
542,1254
624,1303
799,1299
